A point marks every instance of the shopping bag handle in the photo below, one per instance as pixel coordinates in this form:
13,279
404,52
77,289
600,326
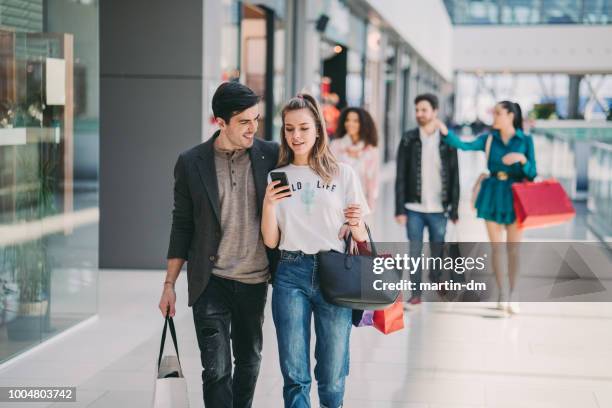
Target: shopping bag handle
350,235
168,322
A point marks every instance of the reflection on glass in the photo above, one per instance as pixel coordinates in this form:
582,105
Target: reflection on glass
600,190
279,77
48,194
254,57
230,31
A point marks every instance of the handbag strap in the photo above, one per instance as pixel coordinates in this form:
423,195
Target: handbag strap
168,322
348,238
488,148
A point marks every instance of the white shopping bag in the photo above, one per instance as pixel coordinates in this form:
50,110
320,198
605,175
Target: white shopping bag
170,385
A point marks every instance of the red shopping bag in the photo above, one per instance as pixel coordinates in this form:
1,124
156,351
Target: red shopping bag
390,319
541,204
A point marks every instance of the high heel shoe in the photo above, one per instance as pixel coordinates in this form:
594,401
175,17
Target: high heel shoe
513,305
502,304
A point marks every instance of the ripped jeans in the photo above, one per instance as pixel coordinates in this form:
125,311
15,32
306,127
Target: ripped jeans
227,310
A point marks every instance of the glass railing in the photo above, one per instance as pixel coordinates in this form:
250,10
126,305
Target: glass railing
563,152
555,158
529,12
600,190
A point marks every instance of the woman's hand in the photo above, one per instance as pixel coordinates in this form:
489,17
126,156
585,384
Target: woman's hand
274,194
344,231
439,125
269,223
352,213
515,157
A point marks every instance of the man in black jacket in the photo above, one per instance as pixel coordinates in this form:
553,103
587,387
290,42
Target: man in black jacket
218,194
426,185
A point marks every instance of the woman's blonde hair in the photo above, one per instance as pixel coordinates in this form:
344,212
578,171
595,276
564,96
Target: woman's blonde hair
321,160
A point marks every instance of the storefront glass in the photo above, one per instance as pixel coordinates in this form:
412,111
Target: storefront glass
230,33
49,137
342,54
248,31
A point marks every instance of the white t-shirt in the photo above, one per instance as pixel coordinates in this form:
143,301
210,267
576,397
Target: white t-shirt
311,218
431,179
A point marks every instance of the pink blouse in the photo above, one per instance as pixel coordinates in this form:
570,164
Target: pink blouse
364,160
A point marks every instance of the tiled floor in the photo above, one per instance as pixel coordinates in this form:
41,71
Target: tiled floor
450,355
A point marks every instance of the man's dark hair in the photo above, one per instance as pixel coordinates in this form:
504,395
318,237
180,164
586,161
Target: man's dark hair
431,98
231,98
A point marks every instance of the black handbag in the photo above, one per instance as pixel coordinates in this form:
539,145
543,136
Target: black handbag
348,280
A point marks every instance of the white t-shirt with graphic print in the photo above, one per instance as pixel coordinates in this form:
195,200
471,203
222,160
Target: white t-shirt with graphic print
311,218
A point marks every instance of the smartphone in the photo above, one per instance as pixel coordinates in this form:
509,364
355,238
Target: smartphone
280,175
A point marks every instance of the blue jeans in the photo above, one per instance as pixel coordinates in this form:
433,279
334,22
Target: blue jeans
436,227
295,299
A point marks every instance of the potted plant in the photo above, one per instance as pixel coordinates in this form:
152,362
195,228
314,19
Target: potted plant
8,301
29,261
29,272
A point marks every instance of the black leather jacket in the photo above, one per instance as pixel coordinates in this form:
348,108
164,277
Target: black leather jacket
408,176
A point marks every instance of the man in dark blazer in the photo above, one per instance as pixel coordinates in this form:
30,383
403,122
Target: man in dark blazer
218,193
426,185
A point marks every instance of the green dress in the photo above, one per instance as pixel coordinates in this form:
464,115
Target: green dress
494,201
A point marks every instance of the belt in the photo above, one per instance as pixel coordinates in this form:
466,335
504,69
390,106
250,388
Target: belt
501,175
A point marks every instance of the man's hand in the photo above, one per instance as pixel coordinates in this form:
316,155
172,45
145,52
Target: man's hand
401,219
168,300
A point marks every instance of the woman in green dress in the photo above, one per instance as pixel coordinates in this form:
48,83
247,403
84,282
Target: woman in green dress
510,159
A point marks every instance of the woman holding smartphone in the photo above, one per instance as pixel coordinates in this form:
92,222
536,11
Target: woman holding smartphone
303,218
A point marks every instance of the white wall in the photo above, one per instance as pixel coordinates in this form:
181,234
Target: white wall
550,49
426,26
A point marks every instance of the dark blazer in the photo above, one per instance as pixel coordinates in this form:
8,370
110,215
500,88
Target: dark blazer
196,228
408,176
